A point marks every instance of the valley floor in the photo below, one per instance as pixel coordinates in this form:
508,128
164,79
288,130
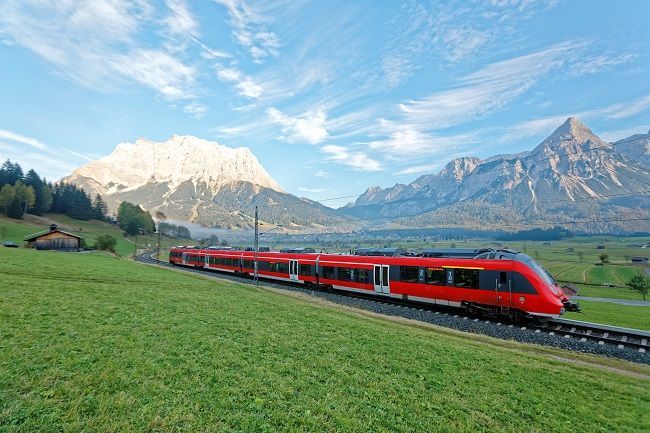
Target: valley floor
94,342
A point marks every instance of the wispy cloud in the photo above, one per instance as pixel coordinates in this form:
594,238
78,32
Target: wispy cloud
45,159
180,21
488,89
99,43
9,135
619,134
598,63
546,125
426,168
312,190
358,161
626,109
306,128
321,173
195,109
450,31
242,82
249,27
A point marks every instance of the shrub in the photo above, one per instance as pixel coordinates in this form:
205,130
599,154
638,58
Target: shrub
106,243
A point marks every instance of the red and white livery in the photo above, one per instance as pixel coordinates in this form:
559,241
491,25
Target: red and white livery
497,282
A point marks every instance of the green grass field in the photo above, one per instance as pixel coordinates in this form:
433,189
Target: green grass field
91,342
627,316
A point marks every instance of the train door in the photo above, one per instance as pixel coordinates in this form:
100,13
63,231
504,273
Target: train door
184,258
503,289
293,270
382,280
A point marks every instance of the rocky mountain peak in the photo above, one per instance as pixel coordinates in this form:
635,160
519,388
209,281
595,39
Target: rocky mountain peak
572,136
458,168
180,159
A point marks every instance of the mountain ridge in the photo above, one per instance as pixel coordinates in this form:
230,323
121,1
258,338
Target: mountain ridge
550,182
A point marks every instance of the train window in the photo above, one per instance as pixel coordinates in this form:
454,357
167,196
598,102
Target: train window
435,276
363,275
262,265
467,278
408,274
521,284
282,267
305,269
346,274
503,278
328,272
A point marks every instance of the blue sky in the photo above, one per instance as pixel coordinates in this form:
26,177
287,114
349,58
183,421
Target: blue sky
332,97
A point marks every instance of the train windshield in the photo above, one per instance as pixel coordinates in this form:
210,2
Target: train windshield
546,276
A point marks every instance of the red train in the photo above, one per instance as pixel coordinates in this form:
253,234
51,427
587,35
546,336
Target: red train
500,282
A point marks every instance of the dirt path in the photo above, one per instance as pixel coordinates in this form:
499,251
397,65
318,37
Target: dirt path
584,274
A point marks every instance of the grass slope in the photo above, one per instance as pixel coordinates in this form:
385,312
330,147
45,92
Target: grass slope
96,343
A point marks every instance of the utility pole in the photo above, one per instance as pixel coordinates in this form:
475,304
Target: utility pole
256,247
158,245
135,246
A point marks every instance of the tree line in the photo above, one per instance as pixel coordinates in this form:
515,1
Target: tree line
20,194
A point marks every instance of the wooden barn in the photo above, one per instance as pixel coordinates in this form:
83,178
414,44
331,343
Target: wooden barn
54,239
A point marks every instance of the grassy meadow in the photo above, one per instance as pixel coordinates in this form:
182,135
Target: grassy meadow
92,342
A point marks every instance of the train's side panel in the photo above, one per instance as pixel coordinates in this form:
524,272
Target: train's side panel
503,283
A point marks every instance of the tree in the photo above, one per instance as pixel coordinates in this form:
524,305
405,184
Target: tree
132,218
21,198
580,255
100,209
603,258
7,194
106,243
10,173
639,283
42,193
73,201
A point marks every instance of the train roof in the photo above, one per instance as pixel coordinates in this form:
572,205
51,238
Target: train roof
389,252
454,252
301,250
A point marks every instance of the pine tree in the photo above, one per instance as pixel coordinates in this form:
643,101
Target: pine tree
100,209
42,193
10,173
15,208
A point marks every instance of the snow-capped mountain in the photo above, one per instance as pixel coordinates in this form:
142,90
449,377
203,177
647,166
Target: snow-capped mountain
190,179
570,175
173,162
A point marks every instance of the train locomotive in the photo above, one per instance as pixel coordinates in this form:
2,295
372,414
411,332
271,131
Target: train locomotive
483,281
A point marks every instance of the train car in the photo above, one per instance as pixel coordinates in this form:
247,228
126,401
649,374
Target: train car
493,282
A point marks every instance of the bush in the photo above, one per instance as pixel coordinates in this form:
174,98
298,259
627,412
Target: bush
105,243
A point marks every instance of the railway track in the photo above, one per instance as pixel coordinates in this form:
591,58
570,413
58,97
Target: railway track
630,344
622,338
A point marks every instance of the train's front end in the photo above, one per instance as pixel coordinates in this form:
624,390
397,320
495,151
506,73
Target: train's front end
549,285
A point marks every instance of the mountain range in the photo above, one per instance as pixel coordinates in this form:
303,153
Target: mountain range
571,176
190,179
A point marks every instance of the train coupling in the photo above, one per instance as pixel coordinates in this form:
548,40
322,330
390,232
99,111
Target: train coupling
571,306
